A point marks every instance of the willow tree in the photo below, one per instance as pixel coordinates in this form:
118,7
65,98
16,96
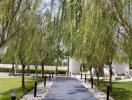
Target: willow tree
10,12
77,32
23,43
91,32
92,29
121,13
44,40
22,40
10,57
67,23
58,29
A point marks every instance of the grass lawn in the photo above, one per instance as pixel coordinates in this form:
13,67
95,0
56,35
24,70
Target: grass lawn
9,83
120,90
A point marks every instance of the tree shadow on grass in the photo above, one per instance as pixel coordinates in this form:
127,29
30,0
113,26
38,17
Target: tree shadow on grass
121,94
117,93
7,94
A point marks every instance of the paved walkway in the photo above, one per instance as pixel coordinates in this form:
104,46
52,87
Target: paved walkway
68,88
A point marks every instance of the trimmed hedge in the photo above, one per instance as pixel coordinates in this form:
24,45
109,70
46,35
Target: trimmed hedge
46,71
5,69
33,71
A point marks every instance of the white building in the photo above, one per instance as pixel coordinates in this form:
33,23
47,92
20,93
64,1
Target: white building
121,68
74,66
118,68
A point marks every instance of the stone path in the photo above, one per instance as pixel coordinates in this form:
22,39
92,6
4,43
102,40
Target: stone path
68,88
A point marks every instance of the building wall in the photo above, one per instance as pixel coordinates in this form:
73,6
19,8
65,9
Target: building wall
118,68
121,68
74,66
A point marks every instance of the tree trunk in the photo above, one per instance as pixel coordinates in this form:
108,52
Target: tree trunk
101,70
98,78
68,67
91,77
97,74
13,69
110,78
56,70
91,72
23,76
42,65
28,70
36,70
110,71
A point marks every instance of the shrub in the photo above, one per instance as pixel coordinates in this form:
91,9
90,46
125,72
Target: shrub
39,71
5,69
33,71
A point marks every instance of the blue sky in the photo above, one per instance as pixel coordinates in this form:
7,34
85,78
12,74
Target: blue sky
45,1
45,4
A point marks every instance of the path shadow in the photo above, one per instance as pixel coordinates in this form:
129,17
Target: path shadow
63,79
78,89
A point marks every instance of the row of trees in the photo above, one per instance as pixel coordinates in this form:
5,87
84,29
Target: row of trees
29,36
94,31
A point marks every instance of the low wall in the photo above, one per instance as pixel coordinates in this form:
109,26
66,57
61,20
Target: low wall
32,67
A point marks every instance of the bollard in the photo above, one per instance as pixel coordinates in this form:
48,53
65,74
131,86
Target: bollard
110,87
70,73
52,74
13,98
92,82
49,77
108,91
35,89
13,94
44,80
81,75
85,78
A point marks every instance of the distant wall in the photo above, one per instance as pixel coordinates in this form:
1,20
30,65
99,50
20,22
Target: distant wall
32,66
118,68
130,72
74,66
121,68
